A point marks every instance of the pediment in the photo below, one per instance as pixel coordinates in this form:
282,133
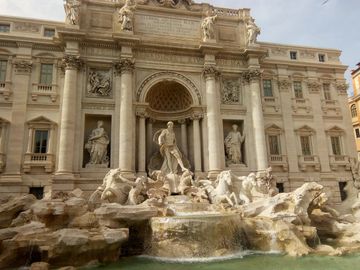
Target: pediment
41,120
273,128
305,129
335,130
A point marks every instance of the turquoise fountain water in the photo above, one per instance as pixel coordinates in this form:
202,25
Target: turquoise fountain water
243,261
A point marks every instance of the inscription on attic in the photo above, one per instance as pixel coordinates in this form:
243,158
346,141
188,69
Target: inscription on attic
167,26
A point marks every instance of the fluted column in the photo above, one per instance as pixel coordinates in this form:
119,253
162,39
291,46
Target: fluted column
184,142
213,121
142,142
197,142
253,78
149,136
126,68
72,64
51,140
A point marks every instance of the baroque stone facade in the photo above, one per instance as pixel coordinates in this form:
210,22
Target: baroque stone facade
134,66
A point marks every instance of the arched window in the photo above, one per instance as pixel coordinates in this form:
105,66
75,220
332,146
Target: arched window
353,111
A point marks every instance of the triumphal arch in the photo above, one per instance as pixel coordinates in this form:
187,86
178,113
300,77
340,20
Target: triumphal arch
80,97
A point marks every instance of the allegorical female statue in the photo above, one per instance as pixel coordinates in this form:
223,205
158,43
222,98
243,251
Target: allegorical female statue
72,11
252,31
207,27
233,143
97,146
126,15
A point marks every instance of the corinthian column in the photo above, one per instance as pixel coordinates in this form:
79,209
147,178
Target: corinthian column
197,142
253,78
72,64
142,142
126,138
215,143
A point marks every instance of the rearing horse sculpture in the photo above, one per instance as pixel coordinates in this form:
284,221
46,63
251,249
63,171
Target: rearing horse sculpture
222,192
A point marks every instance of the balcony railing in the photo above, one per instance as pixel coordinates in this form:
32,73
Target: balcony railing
272,103
301,104
337,161
309,161
279,160
33,160
2,85
44,90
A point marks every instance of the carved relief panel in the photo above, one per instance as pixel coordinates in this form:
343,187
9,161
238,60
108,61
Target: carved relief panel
231,91
99,83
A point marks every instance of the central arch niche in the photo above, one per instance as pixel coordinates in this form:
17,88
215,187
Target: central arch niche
169,96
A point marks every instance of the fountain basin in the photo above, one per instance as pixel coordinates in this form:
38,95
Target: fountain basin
199,235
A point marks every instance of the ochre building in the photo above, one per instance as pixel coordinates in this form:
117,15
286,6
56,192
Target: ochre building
82,96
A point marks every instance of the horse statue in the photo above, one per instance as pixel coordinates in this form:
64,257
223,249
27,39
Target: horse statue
222,193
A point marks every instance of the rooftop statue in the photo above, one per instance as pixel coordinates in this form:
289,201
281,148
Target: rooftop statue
126,15
72,11
252,31
207,27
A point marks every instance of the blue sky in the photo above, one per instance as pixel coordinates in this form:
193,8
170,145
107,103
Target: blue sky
301,22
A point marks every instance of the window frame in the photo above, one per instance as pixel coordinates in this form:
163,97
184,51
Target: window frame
46,146
353,110
278,144
295,89
337,151
310,147
327,91
46,75
322,58
48,30
293,55
3,69
6,27
264,82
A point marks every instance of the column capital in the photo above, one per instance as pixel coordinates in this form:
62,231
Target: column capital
23,66
251,75
142,114
182,121
71,62
125,65
211,71
197,116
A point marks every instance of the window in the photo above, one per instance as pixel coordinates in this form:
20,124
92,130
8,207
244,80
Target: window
298,90
357,132
274,145
336,145
48,32
41,141
293,55
321,57
46,74
3,65
4,28
353,111
326,89
268,91
305,145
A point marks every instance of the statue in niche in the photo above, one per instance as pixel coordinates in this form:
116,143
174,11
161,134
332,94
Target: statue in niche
233,144
97,146
72,11
252,31
207,27
231,92
170,151
99,84
126,15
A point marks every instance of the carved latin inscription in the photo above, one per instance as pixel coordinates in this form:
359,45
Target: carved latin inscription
167,26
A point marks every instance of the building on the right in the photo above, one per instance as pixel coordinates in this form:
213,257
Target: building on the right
354,104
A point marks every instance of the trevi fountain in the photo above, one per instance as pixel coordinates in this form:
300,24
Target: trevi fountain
172,216
180,211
